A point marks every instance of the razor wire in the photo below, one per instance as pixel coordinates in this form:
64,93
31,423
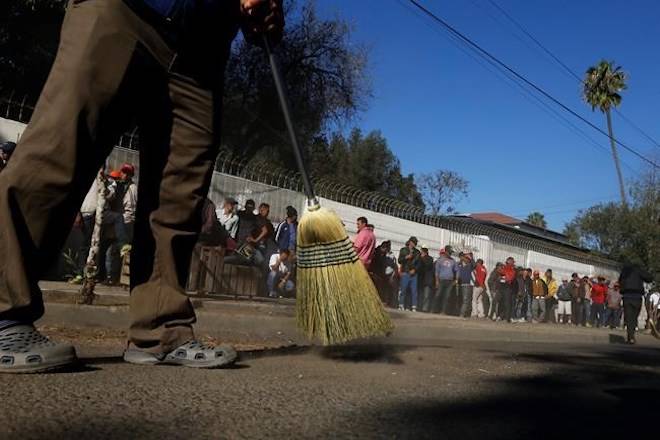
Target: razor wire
20,108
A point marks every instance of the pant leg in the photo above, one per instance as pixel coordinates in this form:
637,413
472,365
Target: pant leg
542,309
271,281
413,291
477,302
466,300
631,309
84,106
428,298
507,300
586,311
403,287
607,317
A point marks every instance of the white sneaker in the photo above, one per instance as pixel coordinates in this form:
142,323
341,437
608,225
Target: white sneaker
414,309
401,308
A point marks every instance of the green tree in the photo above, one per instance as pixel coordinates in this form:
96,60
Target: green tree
625,233
365,162
29,34
326,77
537,219
441,190
602,86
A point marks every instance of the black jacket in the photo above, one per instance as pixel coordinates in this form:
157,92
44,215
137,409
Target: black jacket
632,280
426,271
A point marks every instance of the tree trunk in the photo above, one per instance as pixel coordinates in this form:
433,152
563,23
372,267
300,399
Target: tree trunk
91,268
615,155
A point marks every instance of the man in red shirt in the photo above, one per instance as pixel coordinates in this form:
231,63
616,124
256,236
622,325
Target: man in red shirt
509,272
598,296
480,293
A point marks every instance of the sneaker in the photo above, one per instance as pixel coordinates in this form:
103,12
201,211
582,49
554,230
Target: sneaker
24,350
192,354
414,309
272,294
401,308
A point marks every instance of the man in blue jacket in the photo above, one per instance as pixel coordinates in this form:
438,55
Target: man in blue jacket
157,62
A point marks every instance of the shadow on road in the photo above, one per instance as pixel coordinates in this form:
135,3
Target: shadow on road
612,394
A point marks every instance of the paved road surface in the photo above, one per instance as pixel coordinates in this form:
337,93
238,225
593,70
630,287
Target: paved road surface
423,383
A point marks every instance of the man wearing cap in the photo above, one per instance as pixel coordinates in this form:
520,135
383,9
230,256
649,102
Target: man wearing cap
539,295
598,297
426,280
577,302
612,314
409,262
6,150
465,279
509,289
480,293
564,299
130,198
160,63
551,300
445,279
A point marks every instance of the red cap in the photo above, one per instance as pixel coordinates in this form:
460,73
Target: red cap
128,168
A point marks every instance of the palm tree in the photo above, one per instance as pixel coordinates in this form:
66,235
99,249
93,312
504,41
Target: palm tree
602,84
537,219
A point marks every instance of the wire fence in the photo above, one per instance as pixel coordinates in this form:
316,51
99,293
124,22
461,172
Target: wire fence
20,108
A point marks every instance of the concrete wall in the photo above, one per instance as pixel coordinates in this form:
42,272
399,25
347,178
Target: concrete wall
386,227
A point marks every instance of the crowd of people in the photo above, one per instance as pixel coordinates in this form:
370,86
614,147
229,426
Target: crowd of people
457,284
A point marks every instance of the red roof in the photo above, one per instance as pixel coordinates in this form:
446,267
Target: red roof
495,217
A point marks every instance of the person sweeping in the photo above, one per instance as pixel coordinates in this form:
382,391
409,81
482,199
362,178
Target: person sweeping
157,62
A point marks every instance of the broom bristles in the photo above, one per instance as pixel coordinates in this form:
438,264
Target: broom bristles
337,300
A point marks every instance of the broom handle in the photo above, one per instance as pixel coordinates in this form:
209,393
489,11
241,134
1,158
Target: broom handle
286,110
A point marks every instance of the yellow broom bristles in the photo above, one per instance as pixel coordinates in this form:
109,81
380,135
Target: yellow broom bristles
337,301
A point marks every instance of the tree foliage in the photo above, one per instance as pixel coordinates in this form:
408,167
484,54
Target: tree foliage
537,219
365,162
602,85
29,34
625,233
442,190
326,78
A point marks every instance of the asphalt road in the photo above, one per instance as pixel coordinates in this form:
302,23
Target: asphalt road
406,386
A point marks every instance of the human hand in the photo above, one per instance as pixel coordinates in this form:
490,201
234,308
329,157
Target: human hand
262,18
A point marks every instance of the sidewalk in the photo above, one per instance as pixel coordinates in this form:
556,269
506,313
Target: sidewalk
271,323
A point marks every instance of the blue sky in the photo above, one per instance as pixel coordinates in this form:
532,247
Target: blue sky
439,108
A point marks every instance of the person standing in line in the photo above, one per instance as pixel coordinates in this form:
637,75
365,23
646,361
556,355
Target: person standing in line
465,279
586,313
130,200
445,278
564,299
523,296
480,296
539,293
612,315
495,283
510,276
365,242
551,300
6,150
598,297
577,303
409,261
426,280
228,217
285,233
631,282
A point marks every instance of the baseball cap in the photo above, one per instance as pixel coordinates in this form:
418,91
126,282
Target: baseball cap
8,147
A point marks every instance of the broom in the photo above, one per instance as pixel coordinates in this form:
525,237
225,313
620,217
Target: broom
336,299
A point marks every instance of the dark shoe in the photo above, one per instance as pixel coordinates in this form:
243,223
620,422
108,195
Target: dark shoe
24,350
631,341
192,354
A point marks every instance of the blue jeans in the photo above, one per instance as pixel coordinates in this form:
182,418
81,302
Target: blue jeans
586,311
274,278
408,282
611,317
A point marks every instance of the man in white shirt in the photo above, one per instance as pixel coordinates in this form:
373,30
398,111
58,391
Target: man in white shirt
228,217
280,273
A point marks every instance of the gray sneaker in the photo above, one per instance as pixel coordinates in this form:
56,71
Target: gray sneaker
191,354
24,350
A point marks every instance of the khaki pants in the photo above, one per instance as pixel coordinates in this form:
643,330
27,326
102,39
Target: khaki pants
113,68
